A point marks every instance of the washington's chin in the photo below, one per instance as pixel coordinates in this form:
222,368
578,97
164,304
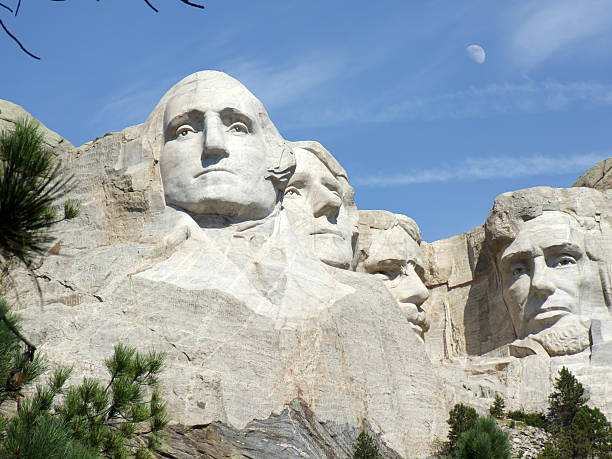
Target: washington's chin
333,250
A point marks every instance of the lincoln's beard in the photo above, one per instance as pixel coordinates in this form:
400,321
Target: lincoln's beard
569,335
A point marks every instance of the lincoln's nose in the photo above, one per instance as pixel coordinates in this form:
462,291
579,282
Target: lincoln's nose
541,282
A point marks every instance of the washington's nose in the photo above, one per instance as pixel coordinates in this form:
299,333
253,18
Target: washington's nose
411,289
326,203
214,138
541,283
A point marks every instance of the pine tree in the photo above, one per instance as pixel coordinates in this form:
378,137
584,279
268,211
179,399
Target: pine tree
497,408
566,400
31,183
483,441
461,419
120,419
365,448
589,435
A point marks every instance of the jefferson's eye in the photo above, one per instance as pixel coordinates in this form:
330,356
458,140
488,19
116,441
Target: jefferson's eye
239,127
563,260
292,191
184,130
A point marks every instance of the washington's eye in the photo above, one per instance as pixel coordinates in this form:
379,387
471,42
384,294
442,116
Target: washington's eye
563,260
239,127
184,130
411,264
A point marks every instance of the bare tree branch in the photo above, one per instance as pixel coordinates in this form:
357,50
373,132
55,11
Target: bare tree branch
17,41
187,2
151,6
4,6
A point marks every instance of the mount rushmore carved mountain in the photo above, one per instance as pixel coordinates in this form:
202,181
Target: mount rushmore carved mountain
291,319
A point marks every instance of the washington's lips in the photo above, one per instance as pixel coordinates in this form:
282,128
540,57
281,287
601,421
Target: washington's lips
212,169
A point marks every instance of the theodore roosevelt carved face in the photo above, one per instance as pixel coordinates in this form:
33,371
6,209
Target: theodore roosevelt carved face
389,247
219,149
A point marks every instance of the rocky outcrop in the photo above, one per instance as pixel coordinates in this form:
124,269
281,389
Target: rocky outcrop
294,433
599,176
290,320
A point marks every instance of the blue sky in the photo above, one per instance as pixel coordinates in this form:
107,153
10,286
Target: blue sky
388,87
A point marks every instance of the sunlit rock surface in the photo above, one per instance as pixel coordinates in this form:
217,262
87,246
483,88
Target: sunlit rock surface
290,321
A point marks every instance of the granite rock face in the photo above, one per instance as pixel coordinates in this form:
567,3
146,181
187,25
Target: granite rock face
599,176
290,319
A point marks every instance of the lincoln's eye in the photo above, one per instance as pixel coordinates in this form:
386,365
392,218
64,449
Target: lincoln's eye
563,261
519,270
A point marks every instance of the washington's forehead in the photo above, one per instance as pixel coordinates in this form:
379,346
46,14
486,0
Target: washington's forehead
207,96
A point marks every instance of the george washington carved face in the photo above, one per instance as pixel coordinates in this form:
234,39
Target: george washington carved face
217,154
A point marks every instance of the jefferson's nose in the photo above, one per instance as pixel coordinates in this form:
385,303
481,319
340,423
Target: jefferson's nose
541,282
214,137
325,202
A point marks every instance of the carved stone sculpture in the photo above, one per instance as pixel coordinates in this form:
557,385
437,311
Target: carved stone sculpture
550,251
219,152
389,249
320,206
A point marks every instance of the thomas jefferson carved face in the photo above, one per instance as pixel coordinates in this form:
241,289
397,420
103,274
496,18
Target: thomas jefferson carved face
214,157
542,272
315,208
394,256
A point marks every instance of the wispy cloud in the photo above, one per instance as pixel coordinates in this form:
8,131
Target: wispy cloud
509,98
472,169
543,28
278,84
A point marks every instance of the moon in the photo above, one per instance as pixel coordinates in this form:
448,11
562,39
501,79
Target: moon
476,53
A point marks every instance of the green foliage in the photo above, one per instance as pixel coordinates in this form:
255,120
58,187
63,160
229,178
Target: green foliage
497,408
17,368
123,418
549,452
531,419
566,400
30,182
578,430
461,419
589,436
365,448
483,441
